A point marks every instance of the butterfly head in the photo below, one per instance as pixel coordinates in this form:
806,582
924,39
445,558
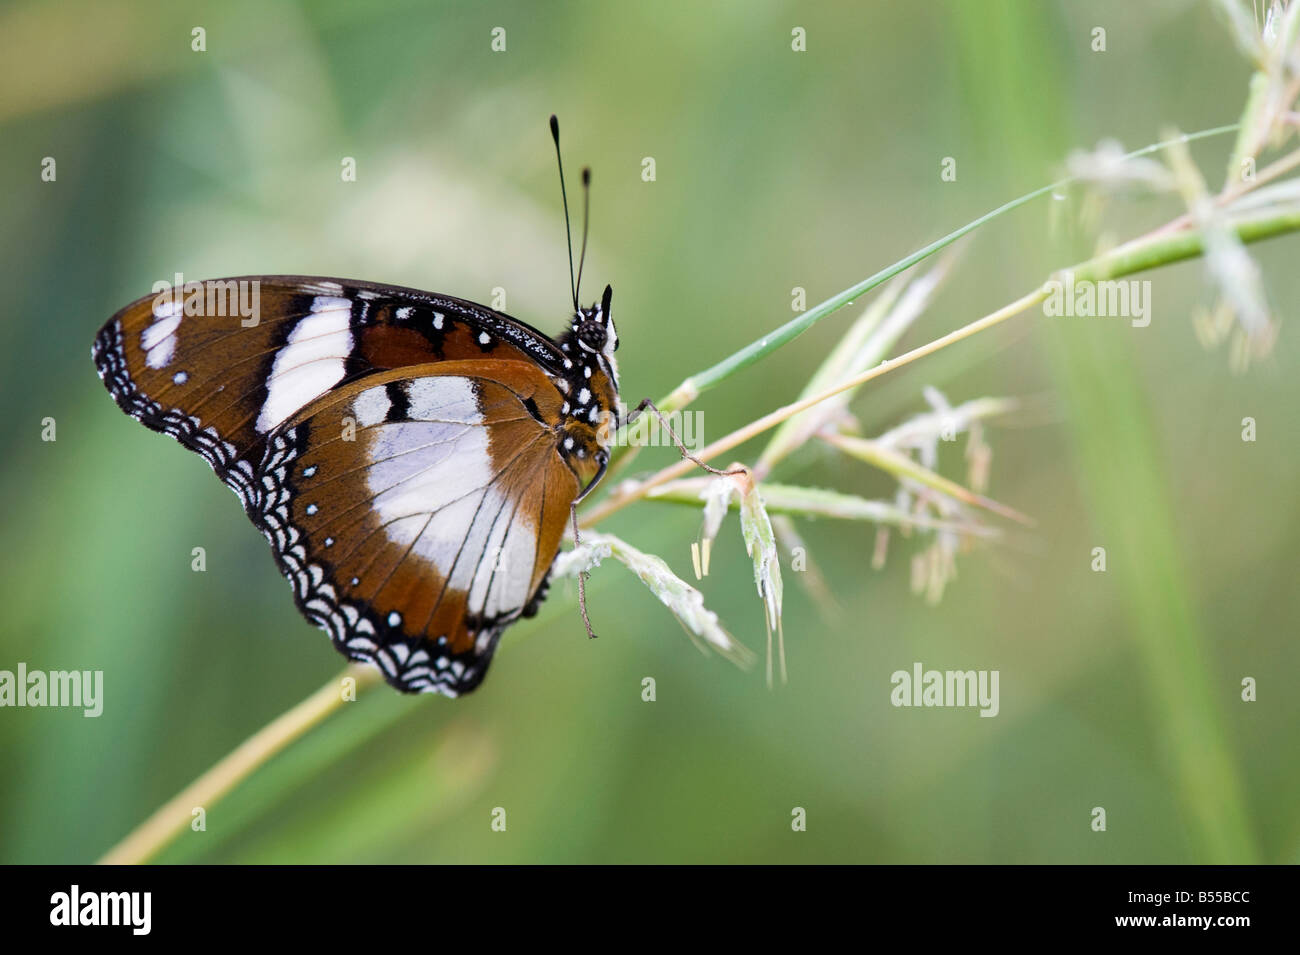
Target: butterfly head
593,330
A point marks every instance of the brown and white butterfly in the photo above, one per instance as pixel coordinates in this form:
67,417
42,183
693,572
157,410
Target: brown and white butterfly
412,458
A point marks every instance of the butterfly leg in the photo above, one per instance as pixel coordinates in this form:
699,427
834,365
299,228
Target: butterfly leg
648,405
582,575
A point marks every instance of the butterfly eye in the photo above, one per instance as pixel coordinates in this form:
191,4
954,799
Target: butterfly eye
592,334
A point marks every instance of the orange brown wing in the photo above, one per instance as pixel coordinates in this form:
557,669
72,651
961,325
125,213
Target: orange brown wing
416,513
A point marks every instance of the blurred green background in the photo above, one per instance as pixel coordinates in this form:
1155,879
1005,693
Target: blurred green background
775,169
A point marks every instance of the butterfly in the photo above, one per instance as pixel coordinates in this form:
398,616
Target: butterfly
412,458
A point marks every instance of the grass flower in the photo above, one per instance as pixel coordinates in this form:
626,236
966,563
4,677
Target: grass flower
682,600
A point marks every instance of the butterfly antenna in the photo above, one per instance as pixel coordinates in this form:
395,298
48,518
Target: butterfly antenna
568,234
586,212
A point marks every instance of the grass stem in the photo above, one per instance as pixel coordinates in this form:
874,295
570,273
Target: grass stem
153,835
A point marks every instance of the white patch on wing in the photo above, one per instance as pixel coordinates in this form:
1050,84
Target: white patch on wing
371,406
504,577
420,467
310,362
159,339
476,536
444,398
431,486
435,464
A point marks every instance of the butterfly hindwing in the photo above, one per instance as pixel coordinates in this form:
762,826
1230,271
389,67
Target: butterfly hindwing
416,513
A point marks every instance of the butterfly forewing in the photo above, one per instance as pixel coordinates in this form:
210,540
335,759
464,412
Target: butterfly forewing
221,364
